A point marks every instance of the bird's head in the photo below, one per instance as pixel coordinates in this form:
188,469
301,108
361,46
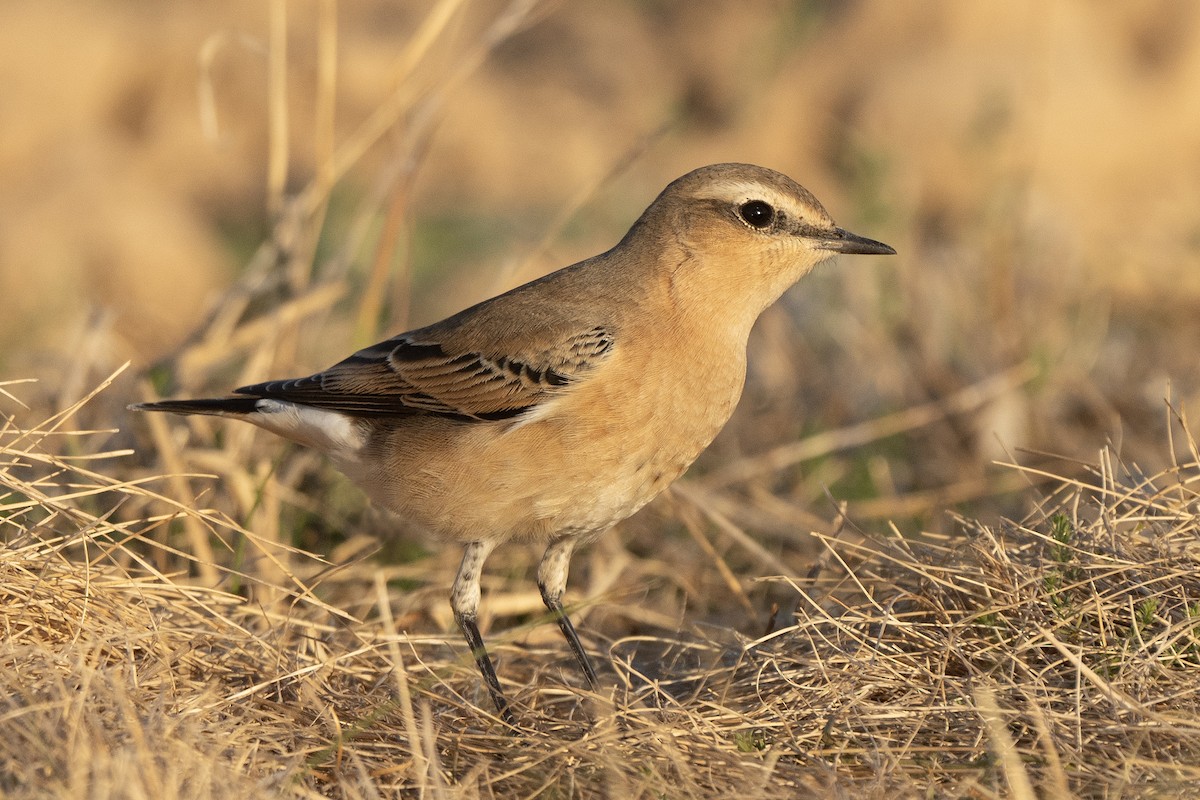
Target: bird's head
743,228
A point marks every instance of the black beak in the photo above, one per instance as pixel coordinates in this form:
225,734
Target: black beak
841,241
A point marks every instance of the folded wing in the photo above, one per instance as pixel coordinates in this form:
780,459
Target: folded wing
415,374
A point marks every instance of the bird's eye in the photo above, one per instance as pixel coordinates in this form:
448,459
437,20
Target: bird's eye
757,214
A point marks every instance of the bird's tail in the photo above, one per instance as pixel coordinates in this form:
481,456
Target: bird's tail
219,406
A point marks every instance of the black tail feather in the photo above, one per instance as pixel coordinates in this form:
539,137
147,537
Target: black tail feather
218,405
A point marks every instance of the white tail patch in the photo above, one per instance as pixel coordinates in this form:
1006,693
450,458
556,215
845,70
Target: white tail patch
329,431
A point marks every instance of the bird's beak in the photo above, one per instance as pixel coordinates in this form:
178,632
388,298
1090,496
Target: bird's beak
842,241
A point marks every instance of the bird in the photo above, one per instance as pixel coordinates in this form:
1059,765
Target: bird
553,411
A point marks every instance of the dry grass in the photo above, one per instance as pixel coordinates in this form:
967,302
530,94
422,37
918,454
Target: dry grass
1055,656
168,634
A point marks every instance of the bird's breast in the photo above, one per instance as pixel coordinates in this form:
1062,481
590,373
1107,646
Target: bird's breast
626,436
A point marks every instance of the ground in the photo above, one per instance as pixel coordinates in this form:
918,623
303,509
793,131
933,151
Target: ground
944,547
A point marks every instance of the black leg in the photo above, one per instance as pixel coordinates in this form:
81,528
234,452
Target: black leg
564,624
474,639
464,599
552,581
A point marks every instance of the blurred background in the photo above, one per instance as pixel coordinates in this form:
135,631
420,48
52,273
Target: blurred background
229,191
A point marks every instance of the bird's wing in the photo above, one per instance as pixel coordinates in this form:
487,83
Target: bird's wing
415,373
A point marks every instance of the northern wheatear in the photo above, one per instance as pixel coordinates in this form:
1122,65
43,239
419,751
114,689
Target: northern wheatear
559,408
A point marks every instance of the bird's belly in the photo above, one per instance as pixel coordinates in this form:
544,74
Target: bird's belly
608,465
595,499
562,475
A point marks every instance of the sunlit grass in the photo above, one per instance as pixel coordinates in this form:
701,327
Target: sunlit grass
126,671
847,594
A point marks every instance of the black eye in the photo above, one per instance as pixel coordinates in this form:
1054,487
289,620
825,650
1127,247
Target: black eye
757,213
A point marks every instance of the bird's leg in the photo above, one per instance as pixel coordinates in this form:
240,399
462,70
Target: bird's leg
464,599
552,581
